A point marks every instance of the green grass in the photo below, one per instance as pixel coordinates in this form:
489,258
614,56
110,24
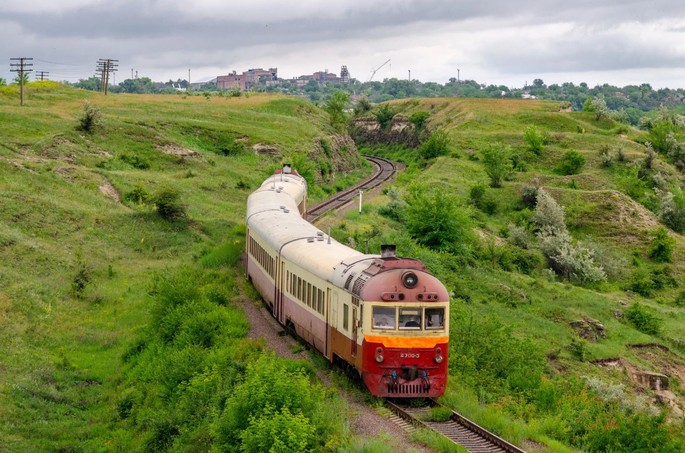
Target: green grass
62,354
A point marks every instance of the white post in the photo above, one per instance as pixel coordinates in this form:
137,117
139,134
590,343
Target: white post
360,200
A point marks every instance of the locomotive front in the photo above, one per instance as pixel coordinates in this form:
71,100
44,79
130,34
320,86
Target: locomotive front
405,321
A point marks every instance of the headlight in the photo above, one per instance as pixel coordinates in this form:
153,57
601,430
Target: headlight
410,280
438,359
379,355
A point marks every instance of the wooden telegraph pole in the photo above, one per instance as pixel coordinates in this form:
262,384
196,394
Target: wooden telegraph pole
42,75
104,67
22,67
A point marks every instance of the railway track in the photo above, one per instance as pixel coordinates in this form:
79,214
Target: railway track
385,170
457,428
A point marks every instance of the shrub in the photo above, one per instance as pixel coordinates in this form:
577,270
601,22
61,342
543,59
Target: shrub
574,262
438,144
362,106
435,219
661,247
672,209
137,195
605,157
571,163
232,148
419,119
497,162
549,215
168,205
535,139
395,207
384,116
91,117
281,432
643,319
518,236
135,161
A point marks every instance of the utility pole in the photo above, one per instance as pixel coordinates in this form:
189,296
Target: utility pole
188,80
22,68
104,67
42,75
131,73
457,75
409,75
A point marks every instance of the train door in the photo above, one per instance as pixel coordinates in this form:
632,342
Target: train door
354,331
279,286
327,310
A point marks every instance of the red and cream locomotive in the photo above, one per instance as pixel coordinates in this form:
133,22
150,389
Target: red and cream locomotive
382,317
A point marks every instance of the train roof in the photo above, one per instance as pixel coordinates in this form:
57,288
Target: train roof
273,212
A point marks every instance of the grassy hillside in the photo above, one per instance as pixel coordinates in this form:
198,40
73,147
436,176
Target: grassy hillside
517,347
81,244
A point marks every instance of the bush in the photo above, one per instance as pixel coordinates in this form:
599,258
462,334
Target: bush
497,162
135,161
672,209
438,144
570,164
395,207
281,432
384,116
549,215
535,139
91,117
419,119
661,247
168,205
435,219
137,195
574,262
643,319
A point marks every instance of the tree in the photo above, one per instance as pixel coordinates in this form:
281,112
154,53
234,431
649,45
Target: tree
335,106
3,82
91,83
535,139
435,219
22,78
497,161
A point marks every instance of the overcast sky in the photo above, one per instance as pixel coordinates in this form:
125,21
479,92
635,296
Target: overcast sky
491,41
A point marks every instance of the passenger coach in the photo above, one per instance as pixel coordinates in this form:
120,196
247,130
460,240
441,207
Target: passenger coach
383,318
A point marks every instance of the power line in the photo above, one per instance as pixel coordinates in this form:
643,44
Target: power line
22,67
104,67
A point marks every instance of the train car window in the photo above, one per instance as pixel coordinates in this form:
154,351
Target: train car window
410,318
346,317
435,318
383,317
309,294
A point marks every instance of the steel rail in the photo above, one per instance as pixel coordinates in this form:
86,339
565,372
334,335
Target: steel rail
458,429
384,170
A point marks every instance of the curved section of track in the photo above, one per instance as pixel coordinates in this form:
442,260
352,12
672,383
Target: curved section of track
458,429
385,169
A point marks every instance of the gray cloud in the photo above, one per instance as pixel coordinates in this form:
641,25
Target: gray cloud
495,40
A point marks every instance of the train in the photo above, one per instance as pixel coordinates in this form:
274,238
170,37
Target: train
383,318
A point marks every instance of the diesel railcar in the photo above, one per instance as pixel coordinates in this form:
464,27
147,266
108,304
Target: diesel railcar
383,318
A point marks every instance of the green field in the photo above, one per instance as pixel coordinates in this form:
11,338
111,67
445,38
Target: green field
104,304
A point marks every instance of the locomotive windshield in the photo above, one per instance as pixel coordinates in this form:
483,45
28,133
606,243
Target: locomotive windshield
383,317
435,318
410,318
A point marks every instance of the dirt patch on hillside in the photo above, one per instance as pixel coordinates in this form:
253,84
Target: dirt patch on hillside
109,191
175,150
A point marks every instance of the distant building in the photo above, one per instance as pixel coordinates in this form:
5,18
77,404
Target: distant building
324,76
247,79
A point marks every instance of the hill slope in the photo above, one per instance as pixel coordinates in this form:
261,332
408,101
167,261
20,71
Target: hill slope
81,243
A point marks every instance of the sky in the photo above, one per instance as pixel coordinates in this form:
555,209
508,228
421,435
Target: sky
500,42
